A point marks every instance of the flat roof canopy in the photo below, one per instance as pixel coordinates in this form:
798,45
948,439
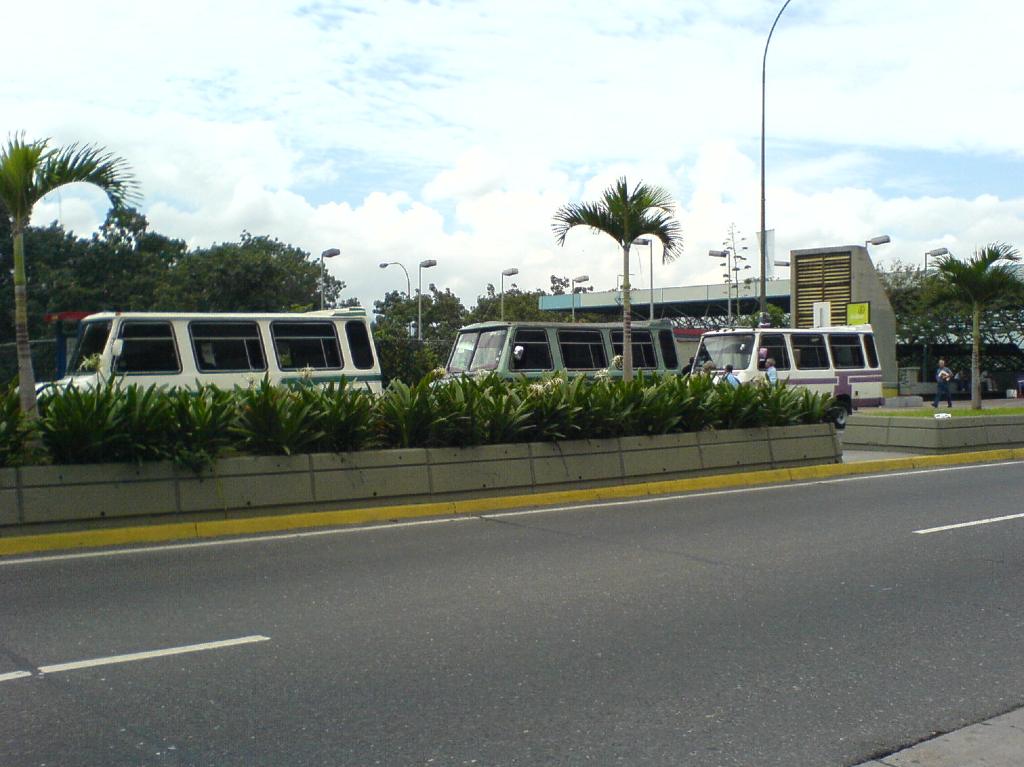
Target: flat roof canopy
683,301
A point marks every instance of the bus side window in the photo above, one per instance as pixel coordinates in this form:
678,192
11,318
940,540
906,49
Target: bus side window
775,343
846,350
536,354
810,352
148,347
667,342
582,349
359,344
869,347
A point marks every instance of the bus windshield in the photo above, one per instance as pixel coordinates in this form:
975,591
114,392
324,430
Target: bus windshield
733,349
488,350
462,354
91,343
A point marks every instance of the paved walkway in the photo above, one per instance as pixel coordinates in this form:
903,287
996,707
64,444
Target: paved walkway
999,742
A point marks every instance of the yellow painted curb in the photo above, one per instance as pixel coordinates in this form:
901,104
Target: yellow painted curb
122,536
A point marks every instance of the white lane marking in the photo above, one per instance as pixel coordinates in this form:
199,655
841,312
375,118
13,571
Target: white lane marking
4,562
110,660
976,522
734,491
14,675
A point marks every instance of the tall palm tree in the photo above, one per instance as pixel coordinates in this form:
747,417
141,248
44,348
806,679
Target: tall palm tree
625,216
28,172
979,283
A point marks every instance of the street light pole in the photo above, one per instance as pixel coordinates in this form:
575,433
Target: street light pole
576,281
761,237
408,284
727,255
419,298
329,253
505,273
934,254
650,245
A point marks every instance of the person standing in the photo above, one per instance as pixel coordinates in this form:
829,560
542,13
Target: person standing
771,375
731,378
943,375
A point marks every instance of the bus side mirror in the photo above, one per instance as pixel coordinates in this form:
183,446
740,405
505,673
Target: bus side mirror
117,347
518,352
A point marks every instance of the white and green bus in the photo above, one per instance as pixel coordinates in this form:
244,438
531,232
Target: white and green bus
237,349
534,349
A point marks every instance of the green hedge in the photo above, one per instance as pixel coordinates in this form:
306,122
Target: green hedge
193,428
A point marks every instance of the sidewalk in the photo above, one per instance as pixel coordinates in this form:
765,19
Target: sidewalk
998,742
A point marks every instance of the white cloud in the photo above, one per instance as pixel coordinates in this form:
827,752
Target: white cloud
239,116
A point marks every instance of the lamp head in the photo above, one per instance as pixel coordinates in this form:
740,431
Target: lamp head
879,240
509,272
937,252
428,263
330,253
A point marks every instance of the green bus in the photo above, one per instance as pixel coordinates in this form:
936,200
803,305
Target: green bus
535,349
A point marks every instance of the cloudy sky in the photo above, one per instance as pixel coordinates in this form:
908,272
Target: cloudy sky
399,130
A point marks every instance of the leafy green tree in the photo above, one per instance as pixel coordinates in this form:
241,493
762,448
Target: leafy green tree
647,211
28,172
981,283
255,274
443,314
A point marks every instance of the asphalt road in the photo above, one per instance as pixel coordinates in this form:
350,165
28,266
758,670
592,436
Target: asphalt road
797,625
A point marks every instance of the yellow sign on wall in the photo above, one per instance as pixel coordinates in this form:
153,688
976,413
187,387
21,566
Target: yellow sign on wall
859,313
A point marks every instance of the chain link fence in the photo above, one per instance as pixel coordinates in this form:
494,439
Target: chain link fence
44,360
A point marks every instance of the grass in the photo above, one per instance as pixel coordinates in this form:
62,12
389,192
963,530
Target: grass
929,412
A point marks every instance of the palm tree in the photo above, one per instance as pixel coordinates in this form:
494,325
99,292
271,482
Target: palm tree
28,172
979,283
625,216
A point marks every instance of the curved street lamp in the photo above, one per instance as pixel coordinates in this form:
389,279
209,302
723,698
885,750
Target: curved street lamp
408,284
427,264
576,281
329,253
650,244
505,273
764,68
727,255
934,254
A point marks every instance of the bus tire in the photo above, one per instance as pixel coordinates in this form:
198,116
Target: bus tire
840,412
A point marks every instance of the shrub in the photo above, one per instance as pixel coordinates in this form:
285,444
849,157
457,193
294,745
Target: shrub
404,415
735,407
82,425
556,407
204,419
15,432
146,420
275,420
345,416
779,405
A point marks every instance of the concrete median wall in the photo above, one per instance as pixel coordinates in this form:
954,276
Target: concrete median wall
45,495
933,435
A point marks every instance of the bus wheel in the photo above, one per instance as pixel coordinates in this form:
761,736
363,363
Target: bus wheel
839,414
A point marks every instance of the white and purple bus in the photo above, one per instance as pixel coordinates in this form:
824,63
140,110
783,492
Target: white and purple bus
841,361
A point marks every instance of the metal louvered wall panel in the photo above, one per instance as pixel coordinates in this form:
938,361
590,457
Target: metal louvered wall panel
825,277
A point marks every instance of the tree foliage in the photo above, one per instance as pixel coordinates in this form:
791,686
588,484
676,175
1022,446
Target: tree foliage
624,215
985,281
28,172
